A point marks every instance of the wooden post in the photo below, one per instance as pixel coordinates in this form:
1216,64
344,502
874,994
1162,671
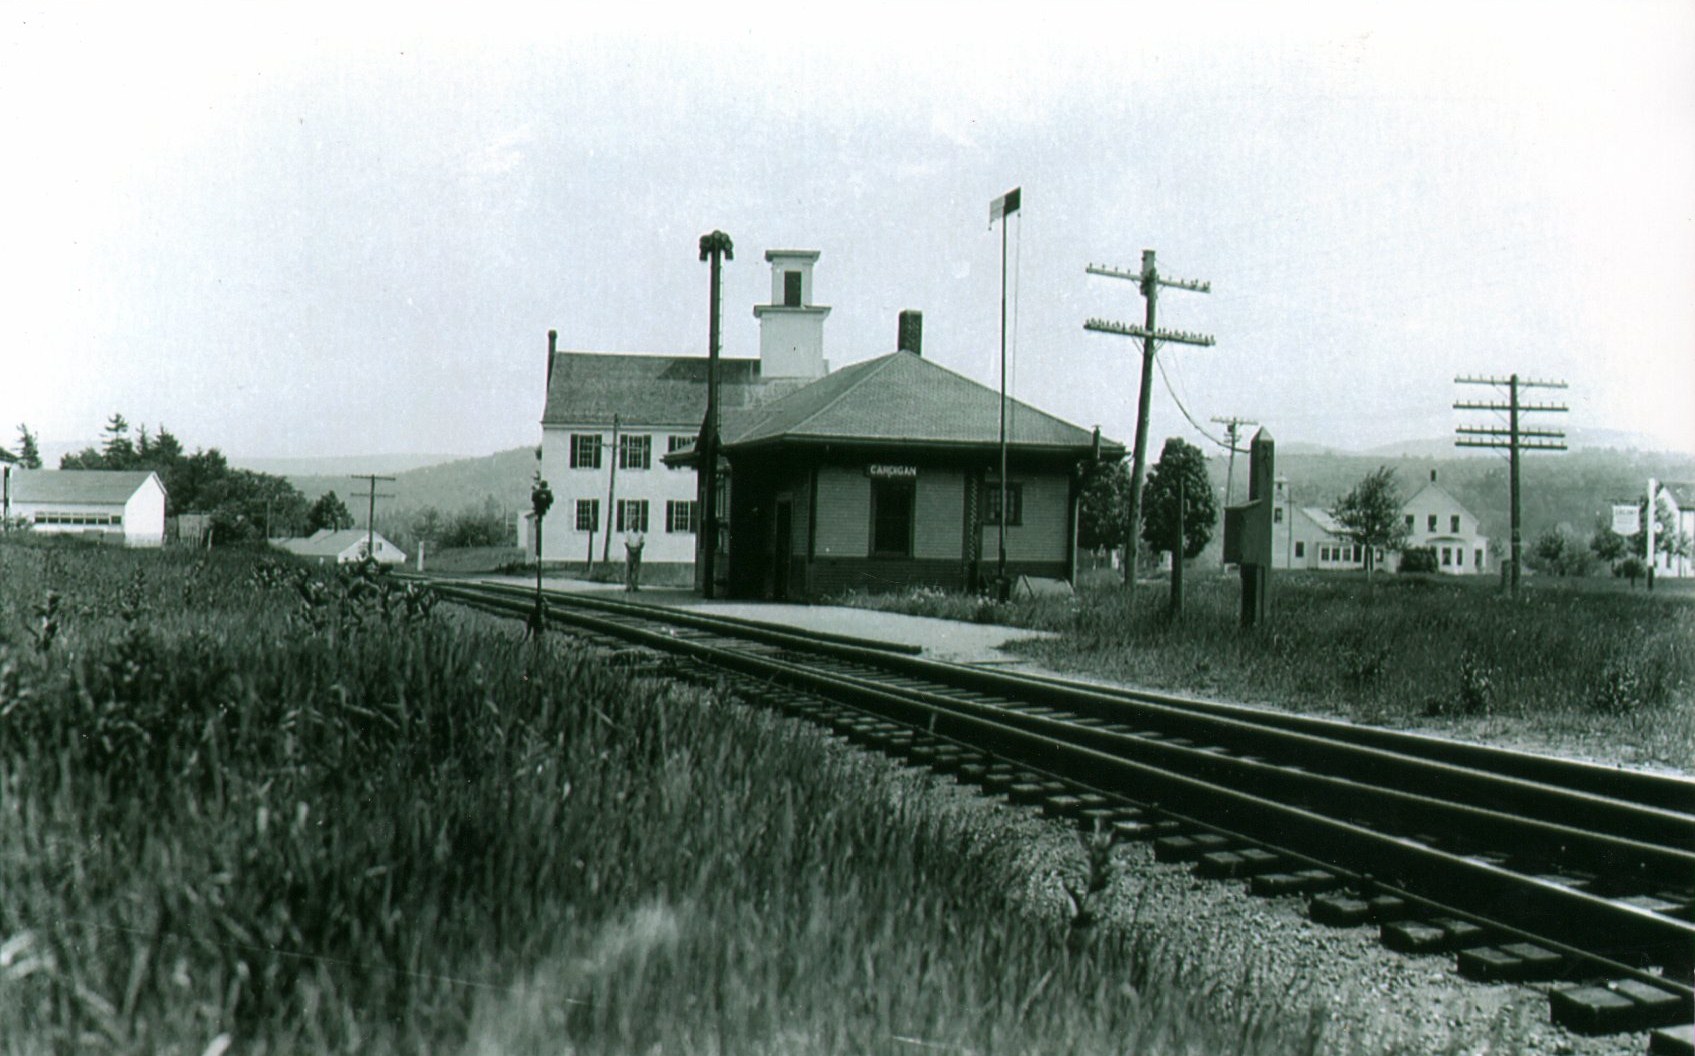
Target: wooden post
1177,556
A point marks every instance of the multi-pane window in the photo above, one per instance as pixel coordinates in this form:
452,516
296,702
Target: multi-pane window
1447,556
632,515
588,515
1277,515
680,515
1409,522
1300,548
1430,523
635,451
678,443
585,450
85,519
1453,522
1479,558
992,503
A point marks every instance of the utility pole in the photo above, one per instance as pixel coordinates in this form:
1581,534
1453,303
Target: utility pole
611,496
718,248
1513,439
371,511
1150,281
1232,432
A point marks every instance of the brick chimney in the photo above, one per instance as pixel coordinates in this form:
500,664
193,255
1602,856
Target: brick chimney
791,327
911,335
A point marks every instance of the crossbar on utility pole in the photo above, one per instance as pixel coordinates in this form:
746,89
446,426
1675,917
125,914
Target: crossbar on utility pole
371,510
1150,281
1232,433
1512,440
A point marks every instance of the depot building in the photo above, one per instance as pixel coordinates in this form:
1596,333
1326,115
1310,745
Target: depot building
886,475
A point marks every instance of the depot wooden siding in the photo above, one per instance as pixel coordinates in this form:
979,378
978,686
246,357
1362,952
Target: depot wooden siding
844,526
1044,535
939,531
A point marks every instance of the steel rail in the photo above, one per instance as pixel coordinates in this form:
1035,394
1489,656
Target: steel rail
1300,743
1667,793
1510,898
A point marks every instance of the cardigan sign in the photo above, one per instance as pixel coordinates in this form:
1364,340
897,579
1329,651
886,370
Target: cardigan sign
885,471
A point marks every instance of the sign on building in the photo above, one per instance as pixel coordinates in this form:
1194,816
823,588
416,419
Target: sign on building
1627,519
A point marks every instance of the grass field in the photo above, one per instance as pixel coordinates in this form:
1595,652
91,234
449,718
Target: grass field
248,805
1590,666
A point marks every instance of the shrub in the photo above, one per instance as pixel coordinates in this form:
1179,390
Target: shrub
1418,559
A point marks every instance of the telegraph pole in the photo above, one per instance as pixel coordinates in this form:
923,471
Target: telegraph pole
1513,439
1150,281
1232,432
371,510
718,248
611,496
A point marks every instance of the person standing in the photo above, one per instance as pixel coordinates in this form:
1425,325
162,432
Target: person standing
634,540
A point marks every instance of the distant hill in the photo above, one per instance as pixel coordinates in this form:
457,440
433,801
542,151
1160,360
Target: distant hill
340,465
502,478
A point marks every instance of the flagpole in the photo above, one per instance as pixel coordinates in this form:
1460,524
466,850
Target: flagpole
1000,571
1001,209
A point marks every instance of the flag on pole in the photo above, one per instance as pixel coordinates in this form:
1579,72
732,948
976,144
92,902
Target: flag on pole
1004,206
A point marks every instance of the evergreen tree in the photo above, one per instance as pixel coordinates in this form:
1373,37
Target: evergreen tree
118,449
29,452
1179,460
1370,515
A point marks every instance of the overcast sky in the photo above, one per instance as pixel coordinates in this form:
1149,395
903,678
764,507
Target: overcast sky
341,230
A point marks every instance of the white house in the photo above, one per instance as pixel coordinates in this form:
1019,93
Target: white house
1308,537
125,506
1679,501
1435,519
343,546
610,418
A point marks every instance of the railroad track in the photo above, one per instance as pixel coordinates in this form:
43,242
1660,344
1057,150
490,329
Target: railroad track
1525,867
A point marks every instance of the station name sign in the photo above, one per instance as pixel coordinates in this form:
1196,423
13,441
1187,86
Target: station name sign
889,471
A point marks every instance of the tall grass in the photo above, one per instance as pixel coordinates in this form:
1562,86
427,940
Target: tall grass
1603,669
242,803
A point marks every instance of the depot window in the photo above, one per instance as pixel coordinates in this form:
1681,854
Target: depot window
1014,503
892,503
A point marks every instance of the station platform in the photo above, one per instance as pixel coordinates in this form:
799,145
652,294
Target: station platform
955,641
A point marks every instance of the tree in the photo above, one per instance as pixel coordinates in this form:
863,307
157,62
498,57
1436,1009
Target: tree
1606,544
328,512
1103,507
29,450
1179,460
1560,551
118,449
1370,515
243,505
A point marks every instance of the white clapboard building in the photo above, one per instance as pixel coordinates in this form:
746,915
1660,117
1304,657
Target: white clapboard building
121,506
